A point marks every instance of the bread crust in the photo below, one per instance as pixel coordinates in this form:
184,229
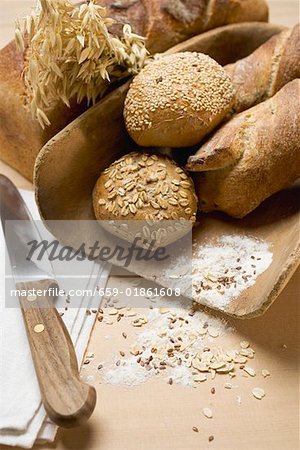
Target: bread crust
253,156
263,73
176,20
21,136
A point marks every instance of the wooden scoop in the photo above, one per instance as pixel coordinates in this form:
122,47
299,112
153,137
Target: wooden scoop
68,166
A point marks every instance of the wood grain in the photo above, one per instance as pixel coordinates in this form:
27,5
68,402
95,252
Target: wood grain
157,416
67,400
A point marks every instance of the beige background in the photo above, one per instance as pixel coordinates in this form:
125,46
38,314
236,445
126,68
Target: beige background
158,416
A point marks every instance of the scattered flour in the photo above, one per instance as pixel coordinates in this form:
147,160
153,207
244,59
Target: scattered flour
176,338
222,271
180,325
128,373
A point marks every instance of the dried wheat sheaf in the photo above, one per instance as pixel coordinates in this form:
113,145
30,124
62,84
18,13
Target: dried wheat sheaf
70,53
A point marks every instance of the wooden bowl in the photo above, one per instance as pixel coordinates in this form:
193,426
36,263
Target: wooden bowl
70,163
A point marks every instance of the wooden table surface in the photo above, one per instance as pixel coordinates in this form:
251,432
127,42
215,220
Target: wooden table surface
157,416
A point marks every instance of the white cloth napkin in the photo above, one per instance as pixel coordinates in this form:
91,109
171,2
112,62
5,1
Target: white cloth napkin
23,420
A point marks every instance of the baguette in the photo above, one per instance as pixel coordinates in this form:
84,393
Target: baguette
263,73
253,156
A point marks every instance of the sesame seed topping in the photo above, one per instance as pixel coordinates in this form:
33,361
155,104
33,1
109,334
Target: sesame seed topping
191,83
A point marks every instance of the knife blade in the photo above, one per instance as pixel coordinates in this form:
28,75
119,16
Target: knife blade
19,230
67,400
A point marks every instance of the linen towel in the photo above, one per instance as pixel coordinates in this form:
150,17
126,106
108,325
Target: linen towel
23,420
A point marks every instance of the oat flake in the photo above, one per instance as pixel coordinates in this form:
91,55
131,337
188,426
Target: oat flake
258,393
207,412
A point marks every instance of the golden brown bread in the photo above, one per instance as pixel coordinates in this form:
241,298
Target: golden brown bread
149,190
253,156
166,22
177,100
22,138
263,73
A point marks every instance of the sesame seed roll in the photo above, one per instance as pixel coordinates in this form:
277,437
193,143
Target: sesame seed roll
176,100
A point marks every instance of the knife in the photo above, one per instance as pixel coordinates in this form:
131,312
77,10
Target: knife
67,400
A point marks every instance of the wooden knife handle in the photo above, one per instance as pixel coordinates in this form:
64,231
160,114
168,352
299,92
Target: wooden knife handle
67,400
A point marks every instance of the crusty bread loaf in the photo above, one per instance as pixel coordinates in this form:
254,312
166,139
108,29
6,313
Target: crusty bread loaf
147,189
253,156
177,100
263,73
163,22
21,136
166,22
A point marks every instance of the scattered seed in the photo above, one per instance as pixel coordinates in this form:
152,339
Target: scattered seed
240,360
200,378
135,350
207,412
213,332
250,371
195,429
244,344
217,365
226,369
258,393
